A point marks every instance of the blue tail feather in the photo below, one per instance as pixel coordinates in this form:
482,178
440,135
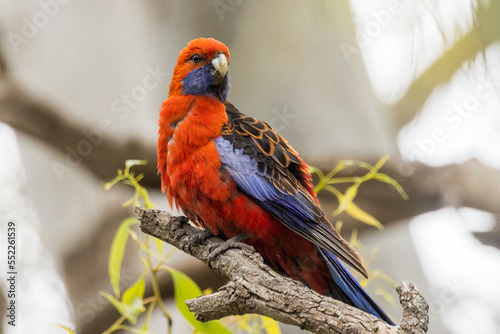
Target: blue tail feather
350,289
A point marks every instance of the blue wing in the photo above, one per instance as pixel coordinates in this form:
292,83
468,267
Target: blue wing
357,296
268,170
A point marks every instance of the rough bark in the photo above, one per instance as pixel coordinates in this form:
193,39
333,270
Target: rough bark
255,288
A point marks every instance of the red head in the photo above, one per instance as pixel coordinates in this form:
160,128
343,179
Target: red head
201,69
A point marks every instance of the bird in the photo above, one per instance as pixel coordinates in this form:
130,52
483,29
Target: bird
235,176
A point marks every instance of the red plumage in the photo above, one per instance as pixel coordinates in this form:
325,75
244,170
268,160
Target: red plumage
191,176
235,175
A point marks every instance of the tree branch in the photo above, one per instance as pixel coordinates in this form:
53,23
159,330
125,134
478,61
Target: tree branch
255,288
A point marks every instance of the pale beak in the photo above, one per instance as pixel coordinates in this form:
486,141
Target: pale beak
219,69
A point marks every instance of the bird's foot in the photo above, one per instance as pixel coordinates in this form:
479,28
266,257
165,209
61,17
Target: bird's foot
234,242
200,237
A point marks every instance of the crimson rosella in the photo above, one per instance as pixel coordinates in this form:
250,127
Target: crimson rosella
234,175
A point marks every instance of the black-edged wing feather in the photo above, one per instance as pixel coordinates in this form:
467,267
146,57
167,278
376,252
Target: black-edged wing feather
268,170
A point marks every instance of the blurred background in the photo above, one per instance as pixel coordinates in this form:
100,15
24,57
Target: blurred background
81,83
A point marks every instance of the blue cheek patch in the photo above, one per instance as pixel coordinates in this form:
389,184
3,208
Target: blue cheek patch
197,82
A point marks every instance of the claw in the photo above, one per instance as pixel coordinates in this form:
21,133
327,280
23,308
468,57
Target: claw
234,242
199,238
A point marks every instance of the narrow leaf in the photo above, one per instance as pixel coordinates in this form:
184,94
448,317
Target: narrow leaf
116,254
271,326
131,162
351,192
185,289
354,211
133,295
338,226
134,330
243,322
148,316
128,311
159,245
111,183
67,329
315,170
387,179
127,203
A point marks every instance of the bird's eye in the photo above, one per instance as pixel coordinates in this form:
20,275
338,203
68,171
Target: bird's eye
196,58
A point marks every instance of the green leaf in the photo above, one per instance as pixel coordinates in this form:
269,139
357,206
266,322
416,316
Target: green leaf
159,245
133,296
116,254
336,180
354,211
134,330
148,316
380,163
131,312
271,326
132,162
111,183
315,170
387,179
354,241
351,192
185,289
67,329
243,322
128,203
338,226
